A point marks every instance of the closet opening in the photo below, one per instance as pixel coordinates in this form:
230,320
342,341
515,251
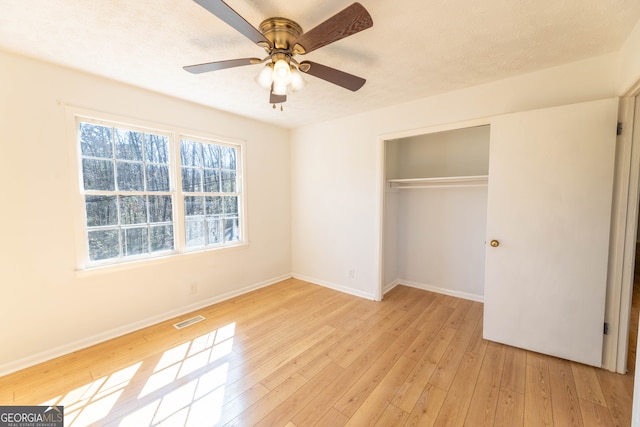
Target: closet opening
434,210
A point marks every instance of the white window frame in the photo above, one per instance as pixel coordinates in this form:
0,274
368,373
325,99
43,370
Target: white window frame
238,193
175,134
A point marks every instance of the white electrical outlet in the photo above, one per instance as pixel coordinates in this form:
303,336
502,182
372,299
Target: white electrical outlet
194,288
352,273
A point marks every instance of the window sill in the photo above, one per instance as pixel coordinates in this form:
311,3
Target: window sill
152,262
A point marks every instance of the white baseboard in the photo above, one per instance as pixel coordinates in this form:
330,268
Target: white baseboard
335,287
390,286
8,368
436,289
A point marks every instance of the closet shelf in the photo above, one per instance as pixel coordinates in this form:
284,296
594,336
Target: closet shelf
440,182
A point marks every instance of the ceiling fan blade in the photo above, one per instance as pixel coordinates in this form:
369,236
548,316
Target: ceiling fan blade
351,20
220,65
337,77
231,17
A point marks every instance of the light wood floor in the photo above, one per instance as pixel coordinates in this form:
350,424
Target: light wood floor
296,354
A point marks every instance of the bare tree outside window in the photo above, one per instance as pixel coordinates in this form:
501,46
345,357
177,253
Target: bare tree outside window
130,191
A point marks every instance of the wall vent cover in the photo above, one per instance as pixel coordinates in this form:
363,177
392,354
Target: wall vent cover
188,322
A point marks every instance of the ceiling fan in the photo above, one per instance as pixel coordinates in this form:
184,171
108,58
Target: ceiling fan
283,39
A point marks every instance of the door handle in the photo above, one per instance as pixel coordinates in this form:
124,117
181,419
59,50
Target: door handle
494,243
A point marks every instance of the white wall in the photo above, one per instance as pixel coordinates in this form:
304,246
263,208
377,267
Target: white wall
461,152
441,240
629,66
46,306
337,165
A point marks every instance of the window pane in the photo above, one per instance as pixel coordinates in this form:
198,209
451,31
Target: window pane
231,205
103,244
130,176
214,206
128,144
194,206
156,148
190,153
101,210
214,231
160,209
231,230
133,209
158,178
211,180
135,241
211,156
161,238
98,175
191,180
195,233
95,140
228,158
229,182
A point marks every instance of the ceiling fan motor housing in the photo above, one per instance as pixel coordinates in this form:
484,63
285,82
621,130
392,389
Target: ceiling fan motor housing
281,32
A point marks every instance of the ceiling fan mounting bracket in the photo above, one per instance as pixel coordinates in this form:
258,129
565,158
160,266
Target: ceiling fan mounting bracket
281,32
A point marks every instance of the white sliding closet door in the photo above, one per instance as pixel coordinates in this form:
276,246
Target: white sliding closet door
549,207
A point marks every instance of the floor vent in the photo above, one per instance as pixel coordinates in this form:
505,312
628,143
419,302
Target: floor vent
188,322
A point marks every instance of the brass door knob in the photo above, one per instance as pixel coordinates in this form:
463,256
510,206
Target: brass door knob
494,243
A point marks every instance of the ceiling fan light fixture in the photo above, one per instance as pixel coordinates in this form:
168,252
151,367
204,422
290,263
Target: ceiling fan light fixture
280,89
265,76
297,82
282,72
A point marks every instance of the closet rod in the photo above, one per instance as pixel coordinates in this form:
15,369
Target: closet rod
408,187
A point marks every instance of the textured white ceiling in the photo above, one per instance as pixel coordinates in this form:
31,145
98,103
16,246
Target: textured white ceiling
416,48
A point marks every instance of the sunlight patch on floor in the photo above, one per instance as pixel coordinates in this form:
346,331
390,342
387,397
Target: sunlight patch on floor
185,388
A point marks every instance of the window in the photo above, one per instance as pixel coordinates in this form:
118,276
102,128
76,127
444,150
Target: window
136,207
210,188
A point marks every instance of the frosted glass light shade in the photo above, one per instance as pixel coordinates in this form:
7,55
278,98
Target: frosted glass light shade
281,72
297,82
264,77
279,89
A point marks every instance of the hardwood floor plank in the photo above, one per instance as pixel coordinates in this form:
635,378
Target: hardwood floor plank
370,378
256,412
297,355
510,409
376,402
595,415
301,361
421,304
312,412
616,394
455,407
587,383
392,417
410,391
565,403
427,407
448,365
477,344
302,397
484,401
459,314
537,402
333,418
514,372
355,349
433,324
337,349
